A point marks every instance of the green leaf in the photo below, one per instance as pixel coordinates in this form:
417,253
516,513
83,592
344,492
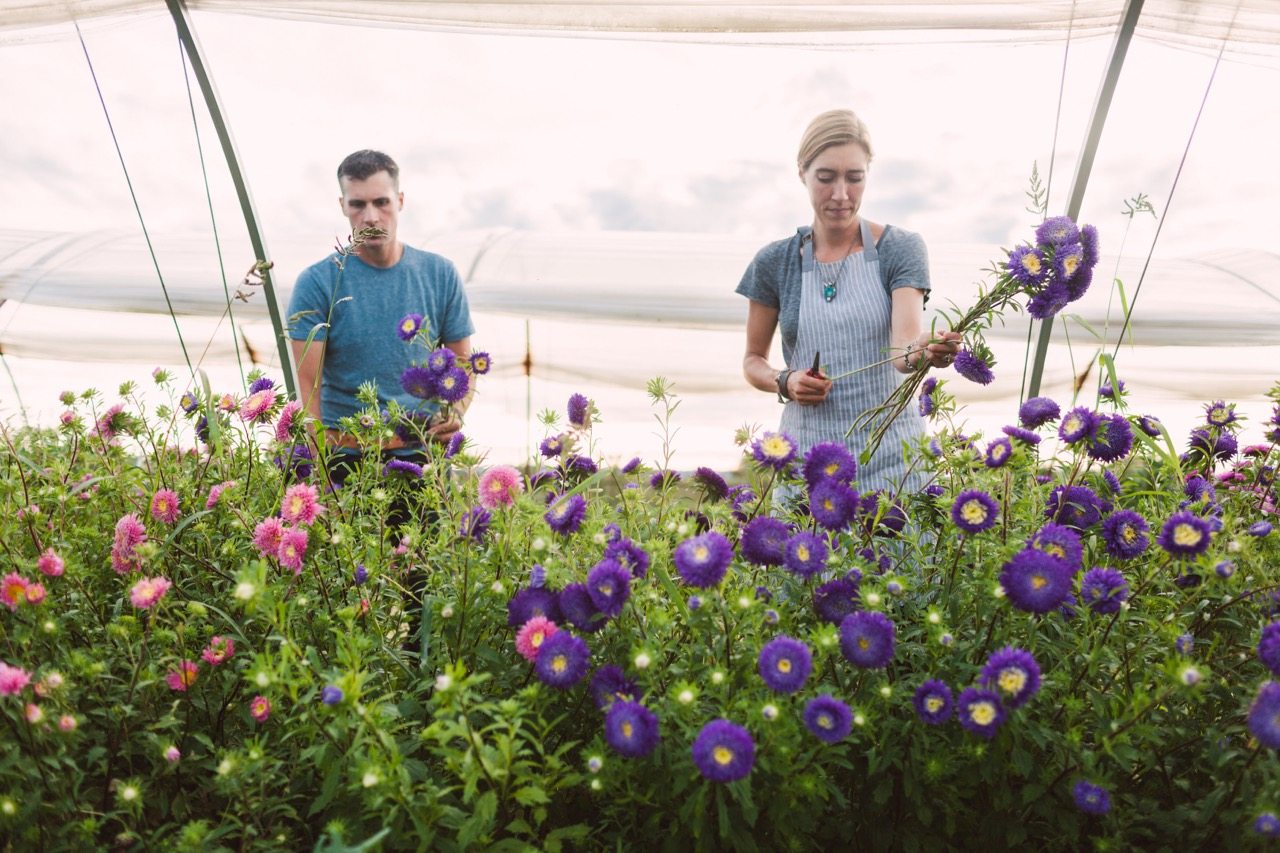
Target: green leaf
480,824
532,795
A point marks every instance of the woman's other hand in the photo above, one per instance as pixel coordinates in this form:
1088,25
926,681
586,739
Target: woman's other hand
807,389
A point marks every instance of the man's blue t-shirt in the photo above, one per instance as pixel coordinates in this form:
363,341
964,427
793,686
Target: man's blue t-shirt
362,307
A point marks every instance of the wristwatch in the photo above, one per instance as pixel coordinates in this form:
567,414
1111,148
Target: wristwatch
781,381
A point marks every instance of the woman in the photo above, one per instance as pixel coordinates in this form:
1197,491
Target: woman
848,292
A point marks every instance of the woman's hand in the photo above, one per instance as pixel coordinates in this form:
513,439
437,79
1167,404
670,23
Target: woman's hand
939,348
807,389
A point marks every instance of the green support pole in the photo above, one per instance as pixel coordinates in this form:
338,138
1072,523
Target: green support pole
1124,35
182,20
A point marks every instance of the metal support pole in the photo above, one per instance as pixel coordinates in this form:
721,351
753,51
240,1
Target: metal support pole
182,20
1119,49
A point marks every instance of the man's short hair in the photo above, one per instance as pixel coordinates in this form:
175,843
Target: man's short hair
366,163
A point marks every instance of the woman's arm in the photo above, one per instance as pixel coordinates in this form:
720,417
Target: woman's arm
762,321
910,341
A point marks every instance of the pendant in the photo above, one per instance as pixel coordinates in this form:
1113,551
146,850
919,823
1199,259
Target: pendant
829,291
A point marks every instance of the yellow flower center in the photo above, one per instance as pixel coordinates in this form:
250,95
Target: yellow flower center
1128,534
933,704
559,663
828,504
825,721
1070,264
1186,535
864,643
776,446
974,512
722,755
982,713
537,638
1055,549
627,729
1031,263
701,553
606,588
831,469
1072,423
1012,680
784,666
802,553
1039,581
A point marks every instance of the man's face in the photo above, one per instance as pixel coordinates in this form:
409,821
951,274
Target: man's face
375,201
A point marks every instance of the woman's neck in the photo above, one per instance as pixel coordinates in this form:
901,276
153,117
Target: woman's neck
833,244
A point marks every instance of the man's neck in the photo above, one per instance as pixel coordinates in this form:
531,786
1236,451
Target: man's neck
381,256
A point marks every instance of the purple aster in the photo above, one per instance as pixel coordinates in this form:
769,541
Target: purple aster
330,694
580,610
1067,259
1212,443
631,729
1059,541
926,404
580,464
832,503
610,684
631,465
537,576
1197,488
829,460
828,719
1108,392
702,560
1037,412
418,382
609,585
1267,825
1050,300
403,469
836,599
785,664
441,360
629,555
543,477
1149,425
360,575
980,711
1089,242
411,425
867,639
774,450
566,514
712,483
532,601
1125,534
1112,481
974,511
1025,436
1185,534
1112,438
1075,506
1091,799
998,452
889,521
409,326
551,446
1078,425
1036,582
263,383
806,554
479,362
1027,267
741,495
453,384
562,661
1264,715
455,444
189,402
1104,590
579,410
1216,414
1225,569
295,461
764,541
1184,644
933,702
973,368
723,751
1259,529
1269,647
1014,674
662,479
1057,231
1078,284
474,523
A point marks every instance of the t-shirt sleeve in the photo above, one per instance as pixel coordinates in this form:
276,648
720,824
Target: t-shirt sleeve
760,281
908,263
457,312
308,308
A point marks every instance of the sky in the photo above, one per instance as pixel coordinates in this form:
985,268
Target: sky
588,135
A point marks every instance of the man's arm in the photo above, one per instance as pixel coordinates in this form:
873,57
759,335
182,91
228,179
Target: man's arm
309,357
444,430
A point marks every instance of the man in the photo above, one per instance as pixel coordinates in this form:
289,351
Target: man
344,312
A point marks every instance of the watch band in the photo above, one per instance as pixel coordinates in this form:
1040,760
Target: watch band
781,381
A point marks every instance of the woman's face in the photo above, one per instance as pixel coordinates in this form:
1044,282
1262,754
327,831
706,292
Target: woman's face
835,180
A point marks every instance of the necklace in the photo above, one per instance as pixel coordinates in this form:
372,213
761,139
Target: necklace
829,285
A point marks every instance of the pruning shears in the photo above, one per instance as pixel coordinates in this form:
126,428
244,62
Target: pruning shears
816,370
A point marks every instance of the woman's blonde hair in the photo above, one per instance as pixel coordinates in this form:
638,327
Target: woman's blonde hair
834,127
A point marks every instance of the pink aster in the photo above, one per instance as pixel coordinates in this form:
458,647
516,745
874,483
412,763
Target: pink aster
147,592
183,677
34,713
67,723
531,636
284,425
35,593
293,547
13,590
129,535
260,708
301,504
257,406
216,492
266,536
164,506
499,486
219,650
50,564
109,424
227,403
67,418
12,679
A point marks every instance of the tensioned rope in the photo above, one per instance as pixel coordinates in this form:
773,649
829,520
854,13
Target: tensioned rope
1186,150
137,208
213,219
